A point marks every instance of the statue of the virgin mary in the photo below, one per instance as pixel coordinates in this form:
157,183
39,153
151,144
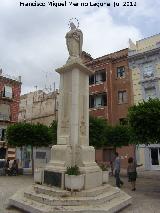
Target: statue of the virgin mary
74,41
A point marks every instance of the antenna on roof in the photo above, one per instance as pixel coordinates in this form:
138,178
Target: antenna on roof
36,87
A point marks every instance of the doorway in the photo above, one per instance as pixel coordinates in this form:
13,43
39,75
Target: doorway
155,158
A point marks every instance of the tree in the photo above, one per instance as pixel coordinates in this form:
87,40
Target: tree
144,120
25,134
41,135
118,136
97,131
101,134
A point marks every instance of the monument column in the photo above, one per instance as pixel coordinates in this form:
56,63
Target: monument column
73,117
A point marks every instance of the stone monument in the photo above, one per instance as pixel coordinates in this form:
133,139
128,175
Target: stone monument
72,149
73,117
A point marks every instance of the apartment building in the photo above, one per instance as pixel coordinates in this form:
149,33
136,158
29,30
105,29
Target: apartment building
10,89
144,63
110,95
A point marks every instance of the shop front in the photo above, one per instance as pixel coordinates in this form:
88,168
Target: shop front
149,156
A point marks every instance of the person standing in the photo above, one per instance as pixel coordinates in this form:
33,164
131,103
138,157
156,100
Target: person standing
117,166
14,168
7,167
111,165
3,151
132,172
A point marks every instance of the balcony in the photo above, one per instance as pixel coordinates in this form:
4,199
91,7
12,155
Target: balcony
99,111
97,88
97,81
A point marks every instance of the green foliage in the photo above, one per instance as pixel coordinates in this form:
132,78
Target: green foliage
73,170
118,136
41,135
101,134
104,166
53,131
19,134
144,120
97,131
23,134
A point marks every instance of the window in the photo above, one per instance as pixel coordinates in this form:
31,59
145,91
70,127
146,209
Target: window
148,70
2,134
91,79
122,97
108,154
98,77
97,100
7,92
4,112
120,72
150,93
40,155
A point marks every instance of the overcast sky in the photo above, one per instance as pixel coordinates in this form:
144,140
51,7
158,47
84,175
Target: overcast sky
32,39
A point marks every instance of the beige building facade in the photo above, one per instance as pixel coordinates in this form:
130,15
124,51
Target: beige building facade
38,107
144,62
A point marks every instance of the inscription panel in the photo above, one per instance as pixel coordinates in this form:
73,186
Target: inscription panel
52,178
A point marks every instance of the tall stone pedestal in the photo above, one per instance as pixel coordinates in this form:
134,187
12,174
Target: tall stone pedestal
73,126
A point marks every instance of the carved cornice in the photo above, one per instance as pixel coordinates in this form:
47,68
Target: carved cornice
141,55
147,83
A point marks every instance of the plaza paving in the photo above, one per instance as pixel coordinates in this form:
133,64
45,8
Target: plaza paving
146,199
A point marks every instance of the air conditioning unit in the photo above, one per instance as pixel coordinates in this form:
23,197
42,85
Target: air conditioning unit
39,175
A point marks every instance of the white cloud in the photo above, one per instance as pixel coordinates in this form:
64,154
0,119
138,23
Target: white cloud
103,36
33,39
144,9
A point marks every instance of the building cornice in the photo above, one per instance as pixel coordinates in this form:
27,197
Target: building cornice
140,55
155,79
112,57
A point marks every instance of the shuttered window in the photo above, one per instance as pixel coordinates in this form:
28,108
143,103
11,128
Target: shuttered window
4,112
122,97
7,92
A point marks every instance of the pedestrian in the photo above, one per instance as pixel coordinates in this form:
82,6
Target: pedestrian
117,166
7,167
14,168
132,172
111,166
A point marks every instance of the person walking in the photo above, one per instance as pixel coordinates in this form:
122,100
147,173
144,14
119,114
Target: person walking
117,166
132,172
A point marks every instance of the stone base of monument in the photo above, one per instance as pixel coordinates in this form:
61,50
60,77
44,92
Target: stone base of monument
54,172
45,199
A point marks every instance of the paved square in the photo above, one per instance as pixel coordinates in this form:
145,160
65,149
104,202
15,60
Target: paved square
146,199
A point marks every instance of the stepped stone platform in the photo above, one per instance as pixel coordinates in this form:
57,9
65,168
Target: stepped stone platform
45,199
